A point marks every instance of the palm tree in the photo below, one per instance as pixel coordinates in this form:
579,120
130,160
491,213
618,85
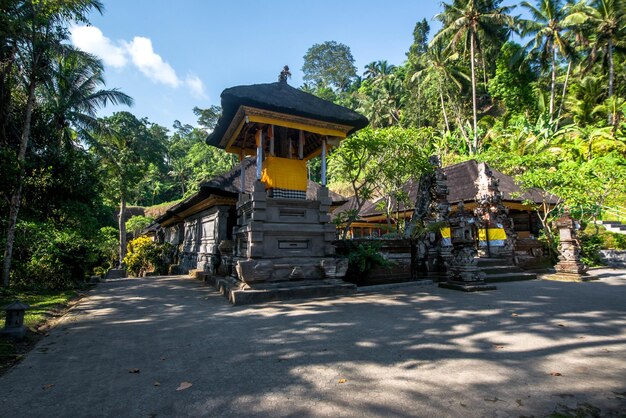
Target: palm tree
608,20
549,27
42,31
471,21
378,69
74,94
438,68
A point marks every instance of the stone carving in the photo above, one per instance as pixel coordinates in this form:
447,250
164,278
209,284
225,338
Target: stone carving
569,267
431,207
490,212
463,272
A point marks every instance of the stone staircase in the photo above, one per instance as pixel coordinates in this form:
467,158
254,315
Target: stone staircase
616,227
502,270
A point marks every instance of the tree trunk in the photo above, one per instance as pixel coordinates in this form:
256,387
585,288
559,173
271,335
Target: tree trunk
389,204
16,198
122,227
569,69
611,80
475,144
443,109
553,86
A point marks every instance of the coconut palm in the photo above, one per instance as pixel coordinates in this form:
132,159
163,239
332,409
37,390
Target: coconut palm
608,20
74,94
548,26
438,67
471,22
40,33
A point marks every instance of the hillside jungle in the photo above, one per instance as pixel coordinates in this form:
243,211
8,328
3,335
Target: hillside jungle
548,109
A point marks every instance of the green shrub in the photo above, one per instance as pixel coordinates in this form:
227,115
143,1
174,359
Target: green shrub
363,257
144,255
590,246
49,257
136,224
107,245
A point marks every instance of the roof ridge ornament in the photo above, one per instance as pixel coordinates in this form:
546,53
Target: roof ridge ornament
284,74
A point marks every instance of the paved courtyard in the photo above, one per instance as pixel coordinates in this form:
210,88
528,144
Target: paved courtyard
170,347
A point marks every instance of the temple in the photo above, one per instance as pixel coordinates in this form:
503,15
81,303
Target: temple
282,233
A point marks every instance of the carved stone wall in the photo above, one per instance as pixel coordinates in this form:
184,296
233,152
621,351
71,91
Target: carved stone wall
284,239
491,213
202,234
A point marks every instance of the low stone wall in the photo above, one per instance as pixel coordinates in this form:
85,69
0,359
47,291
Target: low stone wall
398,251
614,258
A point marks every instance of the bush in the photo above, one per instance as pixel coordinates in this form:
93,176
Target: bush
144,255
363,257
136,224
49,257
590,246
107,246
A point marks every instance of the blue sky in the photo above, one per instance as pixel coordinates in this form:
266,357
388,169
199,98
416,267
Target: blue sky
173,55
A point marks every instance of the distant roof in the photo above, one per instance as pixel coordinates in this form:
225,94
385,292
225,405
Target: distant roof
281,97
227,185
461,181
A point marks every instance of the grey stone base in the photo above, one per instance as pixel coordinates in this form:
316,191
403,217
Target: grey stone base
116,274
239,293
568,277
14,332
467,287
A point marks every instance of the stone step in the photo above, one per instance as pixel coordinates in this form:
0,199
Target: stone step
510,277
267,292
490,269
496,262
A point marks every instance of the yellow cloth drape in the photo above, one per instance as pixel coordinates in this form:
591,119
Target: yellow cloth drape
284,173
495,234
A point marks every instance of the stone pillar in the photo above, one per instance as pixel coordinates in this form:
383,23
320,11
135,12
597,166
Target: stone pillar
491,213
569,268
463,271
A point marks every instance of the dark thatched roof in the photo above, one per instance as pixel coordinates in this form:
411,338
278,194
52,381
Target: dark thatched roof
227,185
461,180
281,97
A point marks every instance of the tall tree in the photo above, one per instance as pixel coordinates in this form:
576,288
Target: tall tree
472,22
126,149
40,33
608,20
74,94
437,67
329,64
548,27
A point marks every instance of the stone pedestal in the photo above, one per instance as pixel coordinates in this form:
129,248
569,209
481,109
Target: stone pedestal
282,243
14,321
569,268
463,271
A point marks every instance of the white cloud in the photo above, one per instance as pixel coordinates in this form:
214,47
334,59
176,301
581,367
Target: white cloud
196,86
90,39
139,52
151,63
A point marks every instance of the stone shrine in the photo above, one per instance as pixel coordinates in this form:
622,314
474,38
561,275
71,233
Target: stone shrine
569,268
283,239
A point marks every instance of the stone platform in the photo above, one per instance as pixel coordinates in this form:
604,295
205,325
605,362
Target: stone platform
569,277
467,287
239,293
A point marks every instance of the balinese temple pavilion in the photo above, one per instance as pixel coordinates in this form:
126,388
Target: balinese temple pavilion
282,238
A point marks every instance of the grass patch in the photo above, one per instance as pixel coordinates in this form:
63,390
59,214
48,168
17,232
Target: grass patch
44,305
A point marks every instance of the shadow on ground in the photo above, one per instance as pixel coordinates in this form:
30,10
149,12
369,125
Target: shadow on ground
529,348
